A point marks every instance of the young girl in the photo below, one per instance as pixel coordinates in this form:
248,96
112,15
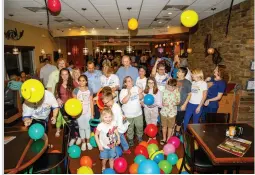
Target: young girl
105,137
83,94
196,98
151,112
171,98
63,92
141,80
130,97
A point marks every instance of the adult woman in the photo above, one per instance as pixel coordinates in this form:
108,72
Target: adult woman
76,74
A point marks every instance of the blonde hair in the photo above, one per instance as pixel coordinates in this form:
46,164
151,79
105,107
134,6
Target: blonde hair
199,73
107,69
106,111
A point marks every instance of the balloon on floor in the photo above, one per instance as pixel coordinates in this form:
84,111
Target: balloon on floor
133,169
172,158
157,156
109,171
36,131
153,141
168,149
151,130
141,150
179,163
165,166
148,167
174,141
139,159
120,165
144,143
189,18
152,148
86,161
84,170
32,90
73,107
93,142
74,151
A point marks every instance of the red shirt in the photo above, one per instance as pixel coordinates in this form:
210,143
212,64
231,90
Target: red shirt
64,94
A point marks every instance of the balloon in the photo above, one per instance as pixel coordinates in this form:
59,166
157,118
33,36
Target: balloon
73,107
55,151
32,90
174,141
143,143
93,142
168,149
132,24
141,150
165,166
37,145
172,158
139,159
84,170
109,171
157,156
133,169
86,161
181,138
54,6
100,103
120,165
92,134
179,163
36,131
152,148
151,130
153,141
148,167
148,99
189,18
184,172
74,151
119,151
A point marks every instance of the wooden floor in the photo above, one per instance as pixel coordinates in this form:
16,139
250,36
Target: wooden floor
56,144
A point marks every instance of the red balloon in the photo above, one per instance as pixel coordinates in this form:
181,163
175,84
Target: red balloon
151,130
141,150
120,165
54,6
153,141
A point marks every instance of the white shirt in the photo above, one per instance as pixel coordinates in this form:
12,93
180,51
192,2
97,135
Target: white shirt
45,73
107,136
161,81
118,118
141,83
40,110
53,80
197,89
188,76
111,81
133,107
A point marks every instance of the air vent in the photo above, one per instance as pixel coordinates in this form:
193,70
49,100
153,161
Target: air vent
175,7
36,9
63,20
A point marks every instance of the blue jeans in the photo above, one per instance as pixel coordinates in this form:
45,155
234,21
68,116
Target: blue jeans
123,142
108,153
208,109
191,110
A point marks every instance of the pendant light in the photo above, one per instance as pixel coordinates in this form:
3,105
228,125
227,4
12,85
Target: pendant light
210,51
85,49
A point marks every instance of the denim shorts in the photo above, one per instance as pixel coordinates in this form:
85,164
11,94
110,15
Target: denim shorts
108,153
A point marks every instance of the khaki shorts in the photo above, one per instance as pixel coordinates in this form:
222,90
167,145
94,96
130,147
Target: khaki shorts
167,121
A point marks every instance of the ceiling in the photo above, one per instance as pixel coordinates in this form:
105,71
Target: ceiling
111,14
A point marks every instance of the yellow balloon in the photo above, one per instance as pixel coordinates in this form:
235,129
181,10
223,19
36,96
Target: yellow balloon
84,170
132,24
179,163
189,18
73,107
32,90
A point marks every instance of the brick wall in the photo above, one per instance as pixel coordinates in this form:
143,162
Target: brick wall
237,49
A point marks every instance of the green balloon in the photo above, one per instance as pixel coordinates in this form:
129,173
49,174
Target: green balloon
36,131
74,151
37,146
93,142
152,148
165,166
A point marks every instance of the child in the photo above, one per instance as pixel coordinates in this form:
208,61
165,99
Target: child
83,94
141,80
130,97
119,118
171,98
105,137
197,97
151,112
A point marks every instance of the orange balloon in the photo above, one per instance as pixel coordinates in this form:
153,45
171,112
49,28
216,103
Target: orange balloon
55,151
143,143
86,161
133,168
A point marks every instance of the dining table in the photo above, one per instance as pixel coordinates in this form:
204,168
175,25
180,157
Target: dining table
22,151
210,135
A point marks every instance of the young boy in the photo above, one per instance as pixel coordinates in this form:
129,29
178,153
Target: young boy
171,98
119,119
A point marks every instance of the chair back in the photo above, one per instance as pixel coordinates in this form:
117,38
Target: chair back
217,118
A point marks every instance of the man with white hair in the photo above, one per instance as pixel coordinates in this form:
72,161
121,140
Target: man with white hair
126,70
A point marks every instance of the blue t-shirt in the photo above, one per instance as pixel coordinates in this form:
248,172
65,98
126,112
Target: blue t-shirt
217,87
94,80
130,71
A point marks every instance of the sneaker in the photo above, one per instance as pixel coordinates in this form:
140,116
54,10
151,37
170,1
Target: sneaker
83,146
78,141
131,143
71,142
89,146
127,152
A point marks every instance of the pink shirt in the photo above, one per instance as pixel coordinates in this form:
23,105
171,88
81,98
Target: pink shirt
64,95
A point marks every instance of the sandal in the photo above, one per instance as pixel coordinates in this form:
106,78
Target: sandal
162,142
57,134
103,170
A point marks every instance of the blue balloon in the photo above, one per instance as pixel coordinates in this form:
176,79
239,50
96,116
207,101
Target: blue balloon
148,99
74,151
109,171
36,131
158,157
148,167
184,172
172,158
139,159
119,151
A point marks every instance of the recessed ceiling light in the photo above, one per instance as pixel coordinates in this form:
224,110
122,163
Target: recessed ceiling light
70,29
168,27
117,28
93,28
170,13
159,22
83,9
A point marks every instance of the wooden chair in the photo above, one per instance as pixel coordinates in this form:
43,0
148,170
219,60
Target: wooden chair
217,118
54,163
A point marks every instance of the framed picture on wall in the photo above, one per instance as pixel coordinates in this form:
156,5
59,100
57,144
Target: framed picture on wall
250,85
41,58
252,66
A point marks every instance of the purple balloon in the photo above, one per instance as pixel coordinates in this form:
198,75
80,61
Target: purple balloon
168,149
174,141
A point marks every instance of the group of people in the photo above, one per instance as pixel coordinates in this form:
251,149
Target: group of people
178,95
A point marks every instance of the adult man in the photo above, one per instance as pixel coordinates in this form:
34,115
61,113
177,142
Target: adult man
54,76
94,82
127,70
45,71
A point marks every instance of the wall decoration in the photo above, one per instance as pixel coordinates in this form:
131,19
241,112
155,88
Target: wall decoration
250,85
13,34
252,66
